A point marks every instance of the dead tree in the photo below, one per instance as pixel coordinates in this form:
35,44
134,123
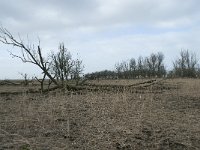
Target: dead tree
41,81
186,65
62,64
77,71
29,54
25,77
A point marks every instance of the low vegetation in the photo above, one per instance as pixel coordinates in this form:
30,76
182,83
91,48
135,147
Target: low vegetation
137,114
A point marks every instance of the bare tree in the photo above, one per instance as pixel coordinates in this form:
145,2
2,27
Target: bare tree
140,66
119,70
185,65
122,69
133,67
62,64
160,65
77,70
25,77
29,53
155,65
152,60
41,81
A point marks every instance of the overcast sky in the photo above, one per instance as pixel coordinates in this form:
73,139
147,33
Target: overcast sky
101,32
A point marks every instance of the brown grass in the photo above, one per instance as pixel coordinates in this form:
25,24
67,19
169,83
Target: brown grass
162,116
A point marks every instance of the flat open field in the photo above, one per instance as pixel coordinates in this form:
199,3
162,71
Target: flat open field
144,114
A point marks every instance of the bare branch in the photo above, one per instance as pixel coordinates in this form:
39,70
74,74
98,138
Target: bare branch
28,52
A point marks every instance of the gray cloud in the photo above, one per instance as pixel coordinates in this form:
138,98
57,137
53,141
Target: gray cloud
98,13
104,32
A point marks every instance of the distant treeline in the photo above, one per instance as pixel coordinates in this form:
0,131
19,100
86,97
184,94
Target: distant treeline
150,67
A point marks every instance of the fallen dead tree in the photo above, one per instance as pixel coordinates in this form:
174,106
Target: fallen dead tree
8,82
145,83
92,88
142,83
137,86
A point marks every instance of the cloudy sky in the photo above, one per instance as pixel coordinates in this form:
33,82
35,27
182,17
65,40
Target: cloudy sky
101,32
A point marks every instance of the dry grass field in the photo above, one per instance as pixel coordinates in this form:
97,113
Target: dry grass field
164,115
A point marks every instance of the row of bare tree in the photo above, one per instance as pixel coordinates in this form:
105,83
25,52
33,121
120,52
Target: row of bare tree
186,65
151,66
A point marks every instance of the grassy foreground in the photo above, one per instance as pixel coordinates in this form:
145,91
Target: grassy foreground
161,116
